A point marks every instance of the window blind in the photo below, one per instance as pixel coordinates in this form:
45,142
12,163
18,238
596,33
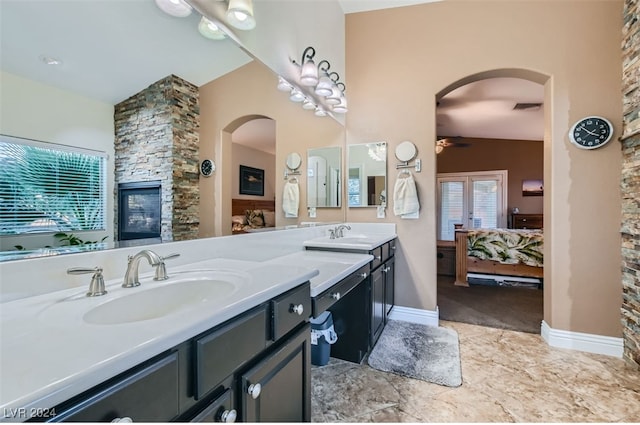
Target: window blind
50,188
452,208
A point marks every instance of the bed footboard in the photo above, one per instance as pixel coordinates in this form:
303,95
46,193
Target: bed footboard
466,264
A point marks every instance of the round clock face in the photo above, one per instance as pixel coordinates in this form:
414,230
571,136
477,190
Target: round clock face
591,132
207,167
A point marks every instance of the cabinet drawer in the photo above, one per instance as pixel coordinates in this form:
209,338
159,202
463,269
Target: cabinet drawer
392,247
329,297
290,309
530,221
377,257
149,394
224,350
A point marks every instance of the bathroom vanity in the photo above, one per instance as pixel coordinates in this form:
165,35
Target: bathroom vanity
360,303
222,339
254,367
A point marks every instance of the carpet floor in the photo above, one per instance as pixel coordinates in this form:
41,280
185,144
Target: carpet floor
513,308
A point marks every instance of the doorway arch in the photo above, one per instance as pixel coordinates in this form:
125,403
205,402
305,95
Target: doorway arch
545,81
222,209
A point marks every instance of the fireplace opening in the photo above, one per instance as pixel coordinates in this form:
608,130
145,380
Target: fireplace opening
139,210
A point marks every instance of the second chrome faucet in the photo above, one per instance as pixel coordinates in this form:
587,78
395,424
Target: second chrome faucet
131,278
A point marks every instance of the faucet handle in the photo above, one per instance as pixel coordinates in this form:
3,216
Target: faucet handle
96,287
170,256
161,270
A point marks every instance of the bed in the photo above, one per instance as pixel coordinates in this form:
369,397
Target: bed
511,252
252,214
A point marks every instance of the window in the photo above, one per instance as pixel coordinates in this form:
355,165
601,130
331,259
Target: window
475,200
50,188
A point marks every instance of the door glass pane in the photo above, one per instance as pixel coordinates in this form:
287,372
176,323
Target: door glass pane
452,208
485,204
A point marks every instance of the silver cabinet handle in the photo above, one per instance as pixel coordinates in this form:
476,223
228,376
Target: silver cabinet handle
254,390
335,296
393,247
386,269
229,415
378,257
125,419
363,275
297,309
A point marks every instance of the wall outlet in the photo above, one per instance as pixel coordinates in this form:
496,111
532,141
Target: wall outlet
312,212
381,213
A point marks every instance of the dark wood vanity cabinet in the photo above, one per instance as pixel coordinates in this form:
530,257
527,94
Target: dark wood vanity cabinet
360,314
255,367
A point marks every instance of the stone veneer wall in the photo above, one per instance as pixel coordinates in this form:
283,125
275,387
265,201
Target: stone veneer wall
157,138
630,184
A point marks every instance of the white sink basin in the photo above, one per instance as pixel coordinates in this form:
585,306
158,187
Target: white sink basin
350,241
158,302
151,300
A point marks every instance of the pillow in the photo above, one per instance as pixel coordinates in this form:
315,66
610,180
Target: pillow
239,219
269,218
255,218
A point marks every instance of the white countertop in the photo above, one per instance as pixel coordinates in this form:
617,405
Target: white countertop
350,241
45,362
332,266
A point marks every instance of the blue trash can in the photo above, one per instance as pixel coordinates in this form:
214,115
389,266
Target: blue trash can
322,336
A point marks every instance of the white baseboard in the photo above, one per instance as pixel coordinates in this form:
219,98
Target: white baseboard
589,343
415,315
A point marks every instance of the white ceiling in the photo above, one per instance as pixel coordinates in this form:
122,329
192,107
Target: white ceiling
113,49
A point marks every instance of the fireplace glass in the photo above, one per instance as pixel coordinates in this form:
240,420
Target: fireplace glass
139,210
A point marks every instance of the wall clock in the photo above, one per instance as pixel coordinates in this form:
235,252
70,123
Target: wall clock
591,132
207,167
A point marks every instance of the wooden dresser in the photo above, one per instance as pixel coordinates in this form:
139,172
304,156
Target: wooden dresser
526,221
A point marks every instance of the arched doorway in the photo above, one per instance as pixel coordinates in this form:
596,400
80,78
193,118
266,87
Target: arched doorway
491,131
249,141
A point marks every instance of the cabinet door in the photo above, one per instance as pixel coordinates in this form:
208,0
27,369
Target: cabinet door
219,410
377,304
278,388
389,286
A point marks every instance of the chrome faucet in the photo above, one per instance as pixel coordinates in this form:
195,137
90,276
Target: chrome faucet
339,230
131,276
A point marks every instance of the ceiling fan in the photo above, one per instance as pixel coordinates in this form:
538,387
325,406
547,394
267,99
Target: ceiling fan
446,142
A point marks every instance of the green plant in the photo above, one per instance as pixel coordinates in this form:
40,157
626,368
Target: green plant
69,239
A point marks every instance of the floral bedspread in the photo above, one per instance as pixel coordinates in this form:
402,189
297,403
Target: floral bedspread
507,246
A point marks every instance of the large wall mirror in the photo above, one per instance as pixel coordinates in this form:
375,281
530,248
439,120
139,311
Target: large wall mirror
367,174
40,94
324,177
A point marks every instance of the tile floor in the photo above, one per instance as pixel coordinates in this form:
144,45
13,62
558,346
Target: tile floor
507,376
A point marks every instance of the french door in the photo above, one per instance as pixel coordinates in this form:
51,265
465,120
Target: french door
475,200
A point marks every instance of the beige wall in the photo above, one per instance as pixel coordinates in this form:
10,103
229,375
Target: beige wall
243,155
228,102
33,110
398,60
523,160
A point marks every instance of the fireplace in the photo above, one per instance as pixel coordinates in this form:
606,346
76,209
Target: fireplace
139,210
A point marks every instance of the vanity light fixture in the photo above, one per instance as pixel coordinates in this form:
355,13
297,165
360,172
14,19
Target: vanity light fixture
296,95
240,14
341,108
309,70
210,30
308,105
177,8
320,112
284,85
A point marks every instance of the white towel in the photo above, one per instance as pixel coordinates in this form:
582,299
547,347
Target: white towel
290,199
405,196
